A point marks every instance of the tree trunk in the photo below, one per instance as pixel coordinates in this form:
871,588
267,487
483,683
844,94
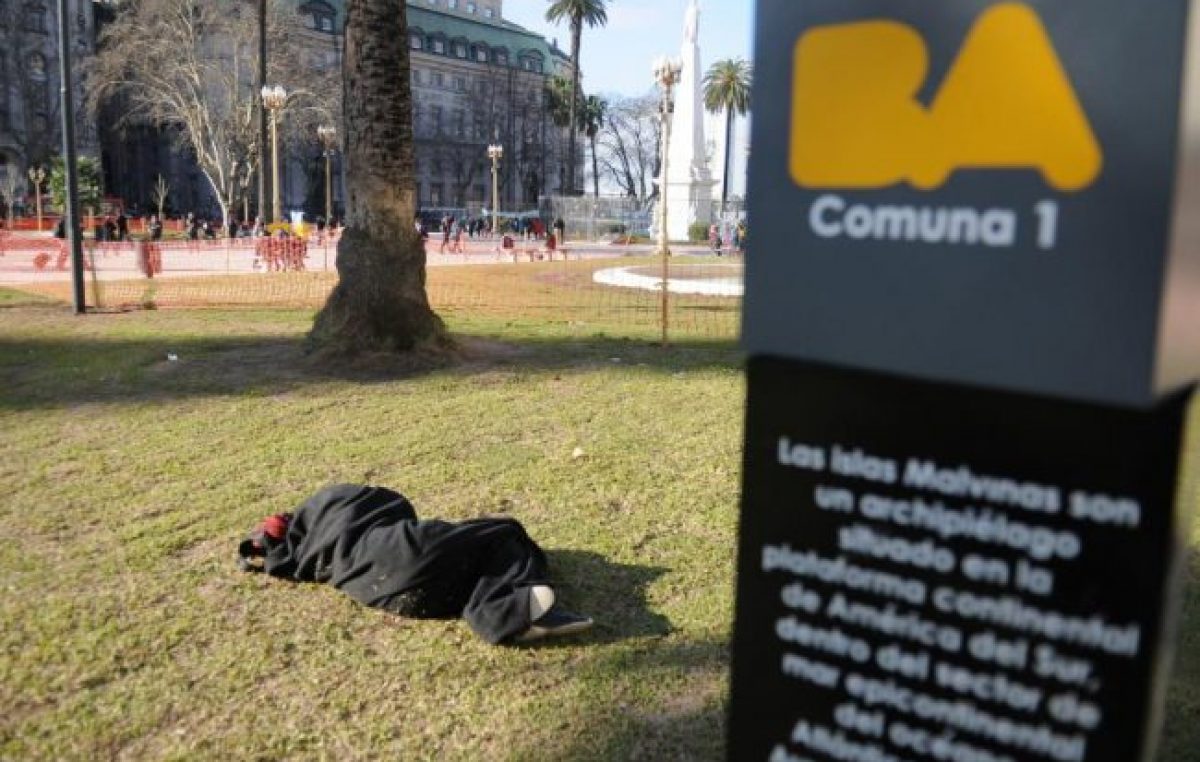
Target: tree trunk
728,157
222,195
595,168
379,303
576,36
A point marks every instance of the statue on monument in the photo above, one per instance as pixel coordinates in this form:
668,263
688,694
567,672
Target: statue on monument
691,22
688,189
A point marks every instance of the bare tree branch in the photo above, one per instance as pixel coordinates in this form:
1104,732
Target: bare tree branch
192,67
629,144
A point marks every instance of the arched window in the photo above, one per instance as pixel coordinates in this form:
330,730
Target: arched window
416,39
321,15
33,18
501,56
479,52
460,48
437,44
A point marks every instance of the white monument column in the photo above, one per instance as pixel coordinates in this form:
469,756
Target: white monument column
689,180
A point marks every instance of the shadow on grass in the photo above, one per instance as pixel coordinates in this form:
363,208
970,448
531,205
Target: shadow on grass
48,372
687,722
613,594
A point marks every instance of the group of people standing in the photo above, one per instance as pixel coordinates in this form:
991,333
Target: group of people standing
115,228
718,243
210,229
108,229
455,231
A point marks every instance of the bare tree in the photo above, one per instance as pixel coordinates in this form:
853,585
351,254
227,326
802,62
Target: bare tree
629,145
526,114
14,185
314,99
311,73
508,107
192,67
498,109
161,191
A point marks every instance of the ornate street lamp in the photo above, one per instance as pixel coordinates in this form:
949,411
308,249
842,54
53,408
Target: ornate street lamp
495,152
274,99
328,136
37,176
666,76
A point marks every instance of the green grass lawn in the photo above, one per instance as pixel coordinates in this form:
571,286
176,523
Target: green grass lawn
129,478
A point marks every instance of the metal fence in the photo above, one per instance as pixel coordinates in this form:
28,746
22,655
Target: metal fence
607,218
616,290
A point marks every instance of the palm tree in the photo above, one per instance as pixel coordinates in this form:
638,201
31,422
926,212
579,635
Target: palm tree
727,88
558,94
595,111
379,303
577,13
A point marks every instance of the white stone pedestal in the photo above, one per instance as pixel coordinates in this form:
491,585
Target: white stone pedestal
688,203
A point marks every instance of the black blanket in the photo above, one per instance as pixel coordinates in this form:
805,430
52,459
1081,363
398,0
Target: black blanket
369,543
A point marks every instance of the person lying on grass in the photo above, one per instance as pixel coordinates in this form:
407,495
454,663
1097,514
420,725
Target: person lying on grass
369,543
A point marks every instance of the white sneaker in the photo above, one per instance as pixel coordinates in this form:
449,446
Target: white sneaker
541,600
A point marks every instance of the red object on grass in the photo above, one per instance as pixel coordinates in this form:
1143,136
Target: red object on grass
276,526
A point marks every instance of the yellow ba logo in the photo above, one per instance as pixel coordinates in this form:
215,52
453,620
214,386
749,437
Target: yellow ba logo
1006,103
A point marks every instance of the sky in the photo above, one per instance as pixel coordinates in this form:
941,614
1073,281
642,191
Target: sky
617,58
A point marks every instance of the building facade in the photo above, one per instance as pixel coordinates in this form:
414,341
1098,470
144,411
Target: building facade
477,79
30,114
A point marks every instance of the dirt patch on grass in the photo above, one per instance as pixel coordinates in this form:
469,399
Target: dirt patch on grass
204,551
281,364
484,353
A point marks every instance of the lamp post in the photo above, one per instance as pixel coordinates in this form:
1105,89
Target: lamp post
495,152
274,97
37,176
666,75
262,114
328,136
